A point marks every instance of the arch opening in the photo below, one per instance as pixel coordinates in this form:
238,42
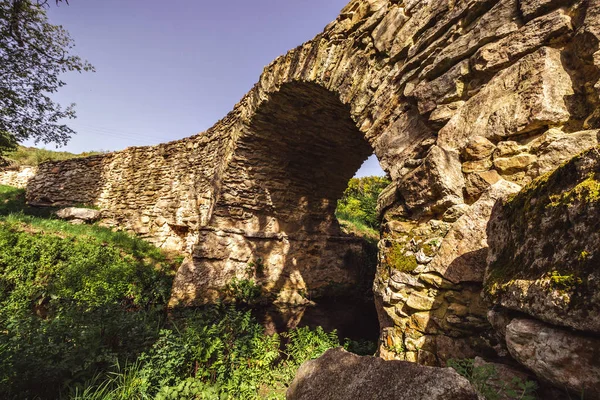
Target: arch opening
276,208
294,161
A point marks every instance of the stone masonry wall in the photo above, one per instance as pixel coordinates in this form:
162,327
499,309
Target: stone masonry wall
163,193
462,101
17,177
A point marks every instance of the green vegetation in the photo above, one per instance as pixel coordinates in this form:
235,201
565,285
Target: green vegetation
587,191
34,54
397,259
217,352
357,209
83,315
486,381
564,282
31,156
73,299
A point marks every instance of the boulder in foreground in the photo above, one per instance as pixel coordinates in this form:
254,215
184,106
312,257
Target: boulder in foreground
338,374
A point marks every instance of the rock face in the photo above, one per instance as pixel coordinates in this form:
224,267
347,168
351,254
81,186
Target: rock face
544,258
462,102
567,359
543,261
341,375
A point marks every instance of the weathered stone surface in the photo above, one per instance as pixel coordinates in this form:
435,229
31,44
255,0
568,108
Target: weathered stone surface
385,32
567,359
464,249
543,257
436,184
532,8
478,148
341,375
556,147
526,96
477,183
493,25
534,34
17,177
514,164
80,214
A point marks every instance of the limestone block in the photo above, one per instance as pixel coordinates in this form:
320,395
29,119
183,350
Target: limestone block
478,148
497,23
81,214
563,357
463,252
534,34
479,182
341,375
436,184
533,8
445,89
510,148
555,147
525,96
384,34
510,165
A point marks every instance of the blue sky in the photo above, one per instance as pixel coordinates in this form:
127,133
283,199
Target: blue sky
170,69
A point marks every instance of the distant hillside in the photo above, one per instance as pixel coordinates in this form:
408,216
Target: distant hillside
31,156
357,209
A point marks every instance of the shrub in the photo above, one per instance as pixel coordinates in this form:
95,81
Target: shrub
487,383
359,201
69,306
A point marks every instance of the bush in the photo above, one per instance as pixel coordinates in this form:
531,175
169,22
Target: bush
31,156
69,306
359,201
83,316
217,352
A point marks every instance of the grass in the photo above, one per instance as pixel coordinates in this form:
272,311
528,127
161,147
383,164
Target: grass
15,211
31,156
83,315
357,227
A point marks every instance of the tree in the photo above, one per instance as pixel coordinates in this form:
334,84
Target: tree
33,55
359,201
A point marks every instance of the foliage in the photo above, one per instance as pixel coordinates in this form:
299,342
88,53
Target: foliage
33,55
7,142
73,299
397,259
359,201
243,291
485,380
218,352
31,156
82,316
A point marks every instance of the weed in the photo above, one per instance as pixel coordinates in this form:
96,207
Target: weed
485,380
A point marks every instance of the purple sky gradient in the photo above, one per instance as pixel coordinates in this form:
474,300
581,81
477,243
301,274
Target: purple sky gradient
169,69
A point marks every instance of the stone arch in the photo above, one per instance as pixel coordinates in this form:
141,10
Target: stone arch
290,164
462,102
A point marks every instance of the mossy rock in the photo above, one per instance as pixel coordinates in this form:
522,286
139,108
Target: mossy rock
400,259
544,252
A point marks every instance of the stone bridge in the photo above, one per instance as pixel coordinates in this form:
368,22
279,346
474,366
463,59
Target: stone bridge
462,102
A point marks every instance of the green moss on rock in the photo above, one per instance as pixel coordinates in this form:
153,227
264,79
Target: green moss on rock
543,246
398,259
